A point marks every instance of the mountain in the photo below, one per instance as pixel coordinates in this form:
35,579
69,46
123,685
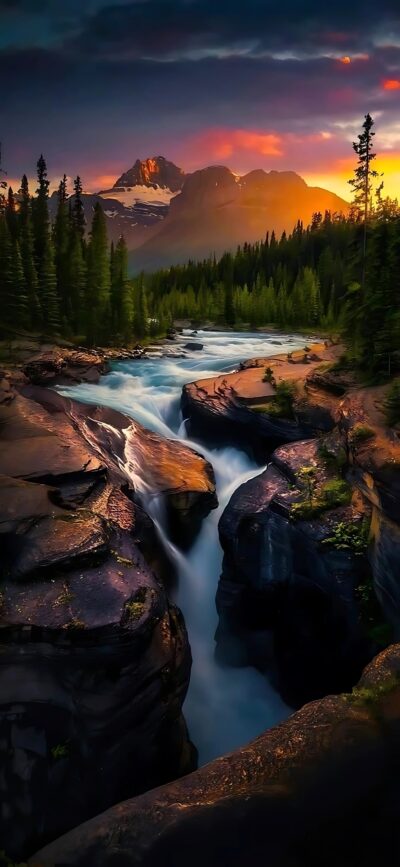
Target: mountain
217,210
167,216
154,172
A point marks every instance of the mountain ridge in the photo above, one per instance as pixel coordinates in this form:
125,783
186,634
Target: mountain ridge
168,216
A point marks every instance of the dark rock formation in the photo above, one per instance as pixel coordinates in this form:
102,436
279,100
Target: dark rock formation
94,660
193,347
281,575
321,788
65,365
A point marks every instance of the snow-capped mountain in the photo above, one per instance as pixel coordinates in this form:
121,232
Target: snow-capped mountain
167,216
151,183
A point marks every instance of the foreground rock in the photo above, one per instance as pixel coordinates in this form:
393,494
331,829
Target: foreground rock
62,365
94,661
155,467
321,788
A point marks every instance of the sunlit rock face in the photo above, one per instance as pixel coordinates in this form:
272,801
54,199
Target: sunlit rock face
94,661
222,410
216,210
153,172
319,786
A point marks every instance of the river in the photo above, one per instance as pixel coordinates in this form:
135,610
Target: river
225,707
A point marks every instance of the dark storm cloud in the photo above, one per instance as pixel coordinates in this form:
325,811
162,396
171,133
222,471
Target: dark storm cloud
109,79
175,28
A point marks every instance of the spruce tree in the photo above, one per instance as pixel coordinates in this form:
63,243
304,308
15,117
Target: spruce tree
20,317
98,308
48,291
61,245
27,253
78,211
41,221
141,324
362,182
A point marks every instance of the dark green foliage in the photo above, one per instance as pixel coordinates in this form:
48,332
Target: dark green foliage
98,307
50,307
41,220
121,291
282,404
27,253
61,237
78,213
141,323
349,537
320,498
392,404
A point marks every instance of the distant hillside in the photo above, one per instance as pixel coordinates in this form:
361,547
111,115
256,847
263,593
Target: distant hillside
218,210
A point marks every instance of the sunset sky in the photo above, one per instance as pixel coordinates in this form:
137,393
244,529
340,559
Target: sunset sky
256,84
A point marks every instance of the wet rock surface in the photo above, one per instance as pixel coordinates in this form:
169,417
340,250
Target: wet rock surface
95,660
321,788
284,581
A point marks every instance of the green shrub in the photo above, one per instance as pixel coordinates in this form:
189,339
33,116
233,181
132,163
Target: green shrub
392,404
330,495
269,376
361,433
335,460
336,492
282,404
60,751
351,537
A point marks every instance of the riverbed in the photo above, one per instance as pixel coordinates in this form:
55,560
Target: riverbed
225,707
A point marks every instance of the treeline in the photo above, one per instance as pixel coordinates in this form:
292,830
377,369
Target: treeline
326,275
60,279
340,273
299,279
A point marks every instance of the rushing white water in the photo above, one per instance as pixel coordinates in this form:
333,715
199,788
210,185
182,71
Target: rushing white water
225,707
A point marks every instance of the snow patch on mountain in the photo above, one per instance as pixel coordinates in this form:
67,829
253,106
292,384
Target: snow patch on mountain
138,194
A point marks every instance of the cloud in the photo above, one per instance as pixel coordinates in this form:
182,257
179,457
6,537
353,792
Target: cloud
171,29
391,84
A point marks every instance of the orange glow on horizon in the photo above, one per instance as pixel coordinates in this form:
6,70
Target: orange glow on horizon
345,60
391,84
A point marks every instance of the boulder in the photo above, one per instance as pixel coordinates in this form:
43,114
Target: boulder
321,788
94,659
193,347
283,578
63,365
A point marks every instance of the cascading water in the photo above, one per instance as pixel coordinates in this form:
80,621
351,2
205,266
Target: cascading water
225,707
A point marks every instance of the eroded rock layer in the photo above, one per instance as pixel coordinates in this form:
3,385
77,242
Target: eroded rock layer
94,659
321,788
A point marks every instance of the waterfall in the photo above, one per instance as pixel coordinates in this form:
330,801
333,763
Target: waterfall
225,707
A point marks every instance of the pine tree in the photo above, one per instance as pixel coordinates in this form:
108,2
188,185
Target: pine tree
98,308
140,322
3,187
48,291
40,213
78,211
362,182
61,245
121,295
20,318
11,213
27,253
6,272
77,280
